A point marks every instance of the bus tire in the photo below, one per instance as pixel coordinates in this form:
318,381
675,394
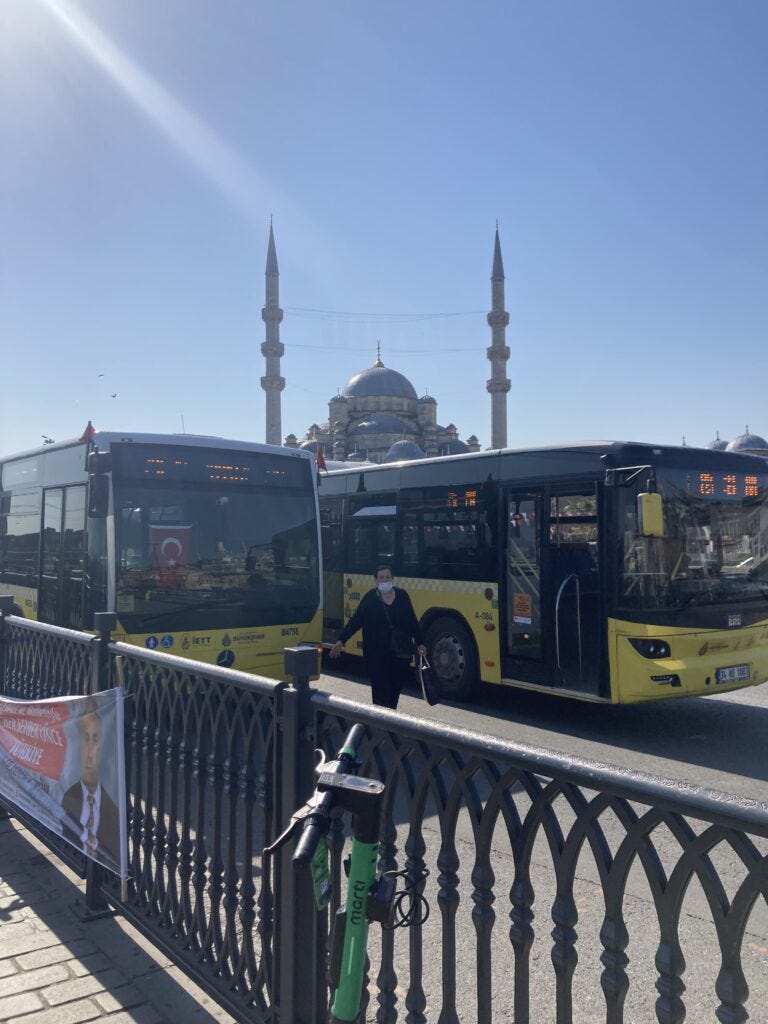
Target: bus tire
451,653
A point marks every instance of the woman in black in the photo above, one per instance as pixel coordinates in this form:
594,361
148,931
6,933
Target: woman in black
384,611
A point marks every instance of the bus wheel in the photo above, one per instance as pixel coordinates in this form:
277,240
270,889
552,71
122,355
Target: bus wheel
451,653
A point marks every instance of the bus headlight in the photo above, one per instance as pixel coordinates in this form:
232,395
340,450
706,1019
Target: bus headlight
651,647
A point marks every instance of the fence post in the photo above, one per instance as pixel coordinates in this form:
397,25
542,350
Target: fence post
103,623
6,608
299,981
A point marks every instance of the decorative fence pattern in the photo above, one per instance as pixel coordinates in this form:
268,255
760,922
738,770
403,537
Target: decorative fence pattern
561,890
510,799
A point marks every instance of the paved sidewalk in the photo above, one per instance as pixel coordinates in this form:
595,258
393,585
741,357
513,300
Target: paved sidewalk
56,969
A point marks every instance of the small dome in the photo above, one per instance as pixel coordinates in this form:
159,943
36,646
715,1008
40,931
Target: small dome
453,446
747,442
401,450
718,445
379,380
428,400
337,398
381,423
310,446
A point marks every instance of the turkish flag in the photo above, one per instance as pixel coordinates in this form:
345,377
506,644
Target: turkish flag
170,554
320,458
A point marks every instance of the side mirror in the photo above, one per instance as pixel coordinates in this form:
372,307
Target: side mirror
650,514
98,496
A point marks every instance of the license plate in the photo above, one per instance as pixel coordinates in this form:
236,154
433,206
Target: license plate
734,674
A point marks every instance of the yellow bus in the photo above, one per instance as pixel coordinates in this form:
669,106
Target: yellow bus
605,571
203,547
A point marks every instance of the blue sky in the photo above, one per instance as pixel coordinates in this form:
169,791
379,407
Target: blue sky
621,145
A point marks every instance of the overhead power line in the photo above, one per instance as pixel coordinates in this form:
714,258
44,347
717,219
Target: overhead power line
348,316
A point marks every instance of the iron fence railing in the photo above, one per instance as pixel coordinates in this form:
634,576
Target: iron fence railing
561,890
200,770
518,833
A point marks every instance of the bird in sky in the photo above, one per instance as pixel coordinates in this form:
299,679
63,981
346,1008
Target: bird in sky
115,395
46,439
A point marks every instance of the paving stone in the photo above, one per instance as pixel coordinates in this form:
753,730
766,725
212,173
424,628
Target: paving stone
24,1002
22,938
26,981
78,988
119,999
7,967
72,1013
141,1015
90,964
55,954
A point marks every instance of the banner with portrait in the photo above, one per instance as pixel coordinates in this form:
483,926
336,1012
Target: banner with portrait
63,762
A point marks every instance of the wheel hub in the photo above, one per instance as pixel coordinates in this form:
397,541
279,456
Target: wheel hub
448,657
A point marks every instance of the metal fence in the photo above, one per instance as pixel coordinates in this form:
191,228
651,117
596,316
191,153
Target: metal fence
561,890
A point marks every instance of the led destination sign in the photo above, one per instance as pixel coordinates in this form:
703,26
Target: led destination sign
726,486
208,465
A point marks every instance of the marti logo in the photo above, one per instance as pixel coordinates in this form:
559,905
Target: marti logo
357,902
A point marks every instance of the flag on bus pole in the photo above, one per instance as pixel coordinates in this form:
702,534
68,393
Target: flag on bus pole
320,459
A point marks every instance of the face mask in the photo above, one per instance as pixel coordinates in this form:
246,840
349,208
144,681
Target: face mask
386,586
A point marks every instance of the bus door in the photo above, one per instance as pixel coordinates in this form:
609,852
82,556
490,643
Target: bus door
524,654
60,598
573,588
333,589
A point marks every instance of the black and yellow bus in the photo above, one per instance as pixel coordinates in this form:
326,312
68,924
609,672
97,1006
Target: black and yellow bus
203,547
606,571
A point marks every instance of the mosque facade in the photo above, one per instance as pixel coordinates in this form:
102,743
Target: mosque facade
378,416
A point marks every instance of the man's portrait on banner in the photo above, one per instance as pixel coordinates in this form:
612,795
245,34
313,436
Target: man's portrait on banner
91,817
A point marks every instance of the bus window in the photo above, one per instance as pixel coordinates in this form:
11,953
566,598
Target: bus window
20,538
523,577
50,561
371,533
447,535
73,558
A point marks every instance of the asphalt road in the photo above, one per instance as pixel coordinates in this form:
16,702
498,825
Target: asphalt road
719,742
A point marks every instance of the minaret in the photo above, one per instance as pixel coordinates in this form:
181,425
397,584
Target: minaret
498,353
272,349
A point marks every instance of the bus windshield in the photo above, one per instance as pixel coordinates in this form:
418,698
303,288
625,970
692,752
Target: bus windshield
203,554
715,545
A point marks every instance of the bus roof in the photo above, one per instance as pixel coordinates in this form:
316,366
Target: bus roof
615,452
104,439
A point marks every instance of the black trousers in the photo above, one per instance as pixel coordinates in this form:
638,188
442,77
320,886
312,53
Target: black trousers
388,677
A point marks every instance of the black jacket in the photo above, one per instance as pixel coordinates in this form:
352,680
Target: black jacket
377,621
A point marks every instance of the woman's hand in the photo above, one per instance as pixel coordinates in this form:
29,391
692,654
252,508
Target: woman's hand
422,650
337,648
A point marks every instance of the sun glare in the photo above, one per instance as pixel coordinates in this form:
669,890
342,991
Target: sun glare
228,172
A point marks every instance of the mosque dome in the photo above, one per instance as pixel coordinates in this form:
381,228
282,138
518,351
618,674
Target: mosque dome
381,423
747,442
718,445
379,380
401,450
427,400
309,446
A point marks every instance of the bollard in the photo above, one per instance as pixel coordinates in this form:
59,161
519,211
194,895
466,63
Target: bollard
96,905
301,992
